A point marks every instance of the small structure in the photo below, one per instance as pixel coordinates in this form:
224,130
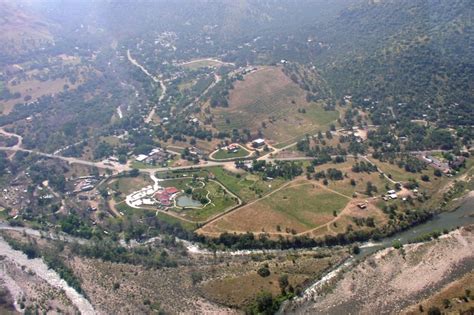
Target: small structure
233,148
393,196
171,190
141,157
257,143
362,205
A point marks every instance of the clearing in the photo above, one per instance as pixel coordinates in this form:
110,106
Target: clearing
268,97
295,208
224,154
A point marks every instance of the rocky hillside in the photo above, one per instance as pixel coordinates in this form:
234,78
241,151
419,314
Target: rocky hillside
394,279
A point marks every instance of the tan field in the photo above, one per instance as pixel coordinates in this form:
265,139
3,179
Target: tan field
268,95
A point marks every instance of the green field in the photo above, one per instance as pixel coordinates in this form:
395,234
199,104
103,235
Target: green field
129,211
220,199
223,154
303,205
247,186
298,208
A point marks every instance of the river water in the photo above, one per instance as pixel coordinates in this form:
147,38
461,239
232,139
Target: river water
462,216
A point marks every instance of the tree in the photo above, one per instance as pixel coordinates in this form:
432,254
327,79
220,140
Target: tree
356,250
134,172
263,272
434,311
264,304
283,282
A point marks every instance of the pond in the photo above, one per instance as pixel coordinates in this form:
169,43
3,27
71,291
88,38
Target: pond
187,201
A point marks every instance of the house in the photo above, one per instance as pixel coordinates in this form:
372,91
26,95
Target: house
362,205
391,192
257,143
458,162
141,157
171,190
393,196
233,148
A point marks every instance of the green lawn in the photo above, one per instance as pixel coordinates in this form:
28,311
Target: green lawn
247,186
129,211
223,154
220,199
305,205
173,220
127,185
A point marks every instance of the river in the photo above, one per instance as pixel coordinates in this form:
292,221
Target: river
461,216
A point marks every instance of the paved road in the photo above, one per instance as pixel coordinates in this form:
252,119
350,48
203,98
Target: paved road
67,159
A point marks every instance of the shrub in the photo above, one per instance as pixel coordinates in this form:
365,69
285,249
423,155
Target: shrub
263,272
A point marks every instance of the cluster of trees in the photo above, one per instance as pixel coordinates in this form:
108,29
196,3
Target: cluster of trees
330,173
109,250
285,169
362,166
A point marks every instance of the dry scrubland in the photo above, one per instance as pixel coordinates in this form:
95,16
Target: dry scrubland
394,279
225,281
238,284
269,96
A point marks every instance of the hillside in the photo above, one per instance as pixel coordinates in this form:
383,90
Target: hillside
270,102
384,283
413,52
21,30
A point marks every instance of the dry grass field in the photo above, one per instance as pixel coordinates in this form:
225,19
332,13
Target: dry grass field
268,95
238,287
295,208
35,88
127,185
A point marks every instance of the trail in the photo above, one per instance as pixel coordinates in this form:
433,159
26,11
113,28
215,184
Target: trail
38,266
67,159
119,112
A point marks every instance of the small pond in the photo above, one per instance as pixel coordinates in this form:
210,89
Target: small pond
187,201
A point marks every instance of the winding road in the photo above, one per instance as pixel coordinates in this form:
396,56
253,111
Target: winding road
149,118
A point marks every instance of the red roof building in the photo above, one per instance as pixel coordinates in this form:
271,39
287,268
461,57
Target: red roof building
171,190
